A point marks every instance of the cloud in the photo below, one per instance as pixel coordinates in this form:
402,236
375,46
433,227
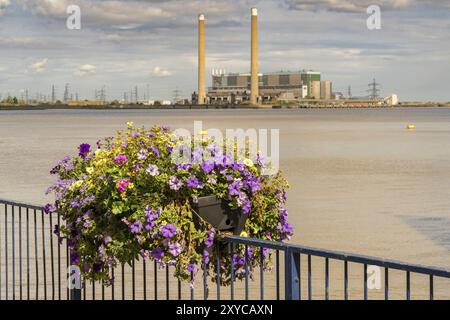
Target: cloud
132,12
130,36
356,5
86,69
25,42
159,72
38,66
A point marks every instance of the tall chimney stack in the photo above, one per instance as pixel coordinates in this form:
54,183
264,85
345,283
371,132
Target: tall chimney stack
201,59
254,59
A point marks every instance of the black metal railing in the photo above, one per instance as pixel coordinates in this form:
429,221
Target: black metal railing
35,265
31,258
292,269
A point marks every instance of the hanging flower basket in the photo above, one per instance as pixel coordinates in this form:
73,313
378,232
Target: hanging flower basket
128,199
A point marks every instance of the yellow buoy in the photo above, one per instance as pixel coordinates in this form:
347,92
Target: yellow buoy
410,127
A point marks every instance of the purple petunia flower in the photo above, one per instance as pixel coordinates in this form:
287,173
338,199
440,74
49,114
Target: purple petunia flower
207,166
175,183
234,189
214,149
192,183
144,253
250,253
120,159
152,170
184,166
197,155
149,226
287,228
142,154
174,249
155,151
49,208
252,183
246,207
97,267
260,159
168,231
136,227
157,253
191,267
205,257
237,166
74,258
151,214
242,199
84,149
209,241
238,260
64,162
71,243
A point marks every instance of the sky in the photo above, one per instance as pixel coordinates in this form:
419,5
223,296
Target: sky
152,44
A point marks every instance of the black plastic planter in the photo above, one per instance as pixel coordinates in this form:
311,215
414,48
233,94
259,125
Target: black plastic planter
217,213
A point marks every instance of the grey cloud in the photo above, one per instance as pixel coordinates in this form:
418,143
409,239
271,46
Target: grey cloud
130,43
357,5
23,43
96,12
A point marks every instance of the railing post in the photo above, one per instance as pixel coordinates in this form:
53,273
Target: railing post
75,294
291,274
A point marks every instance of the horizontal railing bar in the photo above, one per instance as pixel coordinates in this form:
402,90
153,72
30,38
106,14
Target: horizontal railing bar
23,205
338,255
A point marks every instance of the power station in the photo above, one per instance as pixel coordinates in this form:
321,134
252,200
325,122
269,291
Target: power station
255,87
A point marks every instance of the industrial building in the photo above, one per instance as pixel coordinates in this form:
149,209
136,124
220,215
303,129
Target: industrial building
229,87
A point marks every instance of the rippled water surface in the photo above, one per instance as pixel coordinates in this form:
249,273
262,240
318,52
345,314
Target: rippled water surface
360,181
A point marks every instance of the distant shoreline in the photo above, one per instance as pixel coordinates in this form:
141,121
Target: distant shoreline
216,107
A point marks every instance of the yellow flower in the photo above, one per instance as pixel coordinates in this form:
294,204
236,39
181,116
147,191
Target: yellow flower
90,170
164,223
244,234
248,162
203,132
98,152
76,184
130,124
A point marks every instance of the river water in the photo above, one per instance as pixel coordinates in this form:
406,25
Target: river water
360,182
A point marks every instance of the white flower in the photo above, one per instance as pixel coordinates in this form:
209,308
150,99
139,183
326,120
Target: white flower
152,170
